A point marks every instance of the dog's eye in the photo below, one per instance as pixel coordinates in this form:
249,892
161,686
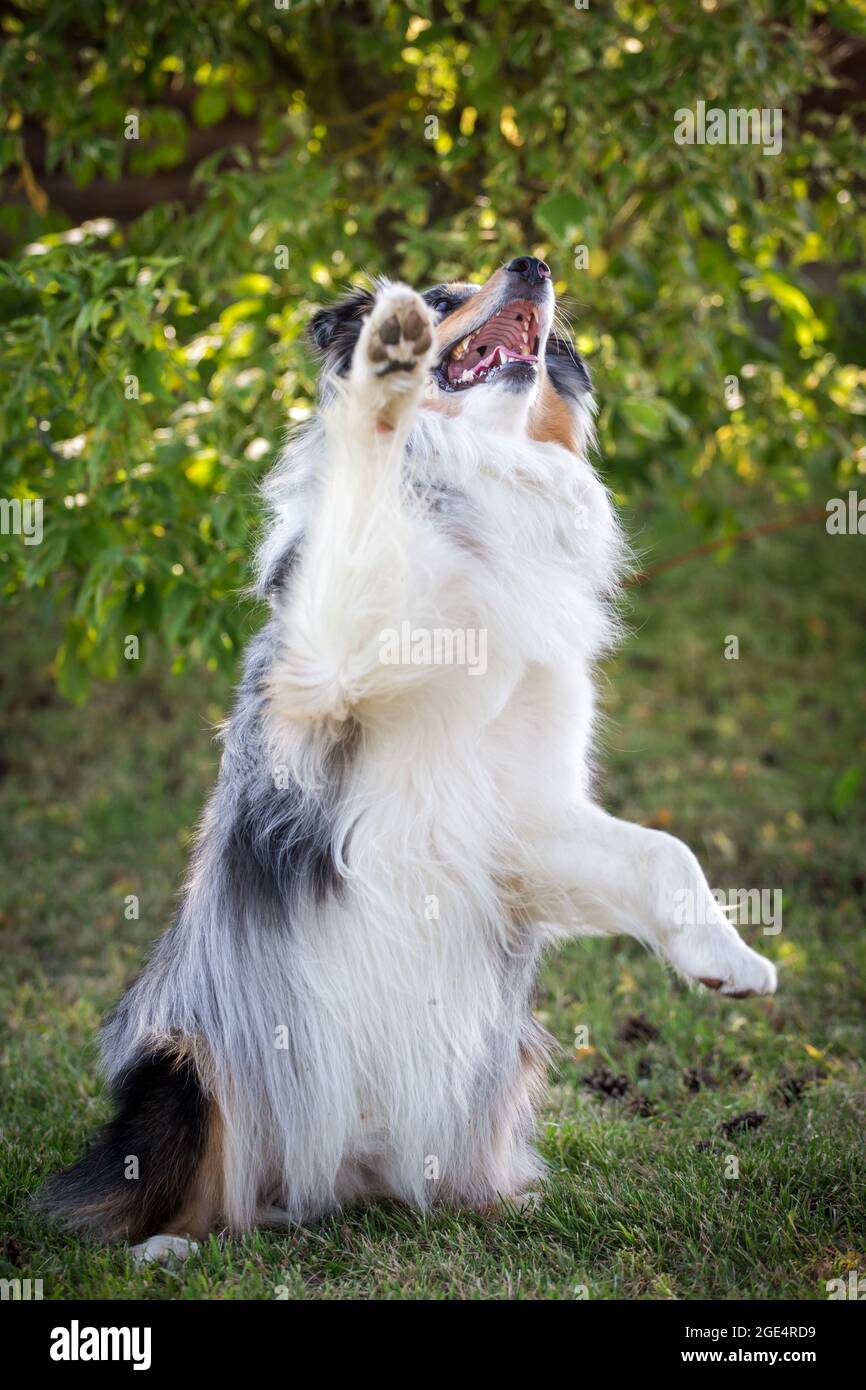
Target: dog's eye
442,306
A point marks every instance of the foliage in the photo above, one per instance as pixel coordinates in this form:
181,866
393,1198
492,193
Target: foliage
153,362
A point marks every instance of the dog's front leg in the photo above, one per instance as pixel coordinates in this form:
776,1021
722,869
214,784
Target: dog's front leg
624,878
366,563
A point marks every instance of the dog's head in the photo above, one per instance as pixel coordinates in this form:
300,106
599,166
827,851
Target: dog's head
499,356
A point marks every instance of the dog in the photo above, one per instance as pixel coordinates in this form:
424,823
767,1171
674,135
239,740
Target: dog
404,819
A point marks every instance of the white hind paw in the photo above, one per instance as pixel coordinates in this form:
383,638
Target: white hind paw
163,1250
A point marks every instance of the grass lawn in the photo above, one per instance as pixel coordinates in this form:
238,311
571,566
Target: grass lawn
744,759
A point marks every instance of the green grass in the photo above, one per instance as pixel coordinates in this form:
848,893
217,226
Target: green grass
743,759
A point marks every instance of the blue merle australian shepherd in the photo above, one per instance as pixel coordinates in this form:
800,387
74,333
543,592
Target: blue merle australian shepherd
403,818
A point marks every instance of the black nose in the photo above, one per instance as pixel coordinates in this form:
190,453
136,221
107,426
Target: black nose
531,268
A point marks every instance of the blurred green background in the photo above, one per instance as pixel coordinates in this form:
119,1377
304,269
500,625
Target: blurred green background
185,183
153,300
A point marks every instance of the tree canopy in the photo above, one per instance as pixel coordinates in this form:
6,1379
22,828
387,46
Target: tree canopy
185,183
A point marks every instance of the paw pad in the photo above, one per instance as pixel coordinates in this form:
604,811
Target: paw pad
399,340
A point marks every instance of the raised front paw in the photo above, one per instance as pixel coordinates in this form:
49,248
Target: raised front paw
399,332
394,353
718,957
748,974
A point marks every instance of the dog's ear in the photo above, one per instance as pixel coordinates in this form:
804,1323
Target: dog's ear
566,368
335,331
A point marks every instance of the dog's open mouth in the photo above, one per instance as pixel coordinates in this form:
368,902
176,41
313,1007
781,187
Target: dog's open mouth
511,335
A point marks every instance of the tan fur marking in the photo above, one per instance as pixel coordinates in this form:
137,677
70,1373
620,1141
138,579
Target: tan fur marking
201,1210
551,422
445,405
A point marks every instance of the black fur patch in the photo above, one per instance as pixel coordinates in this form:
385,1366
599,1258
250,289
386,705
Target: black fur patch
444,299
281,847
283,568
278,843
335,331
566,368
161,1119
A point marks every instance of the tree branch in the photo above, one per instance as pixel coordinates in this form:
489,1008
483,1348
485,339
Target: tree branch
766,528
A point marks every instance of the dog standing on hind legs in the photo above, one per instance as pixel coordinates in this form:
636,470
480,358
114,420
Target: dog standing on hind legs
342,1009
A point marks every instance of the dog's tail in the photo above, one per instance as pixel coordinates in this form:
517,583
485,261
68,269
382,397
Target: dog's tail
153,1166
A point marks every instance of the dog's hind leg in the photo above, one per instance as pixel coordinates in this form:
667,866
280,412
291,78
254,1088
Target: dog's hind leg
200,1211
621,878
201,1207
156,1167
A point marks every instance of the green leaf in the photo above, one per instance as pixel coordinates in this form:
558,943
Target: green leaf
210,106
648,418
562,215
844,790
179,603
